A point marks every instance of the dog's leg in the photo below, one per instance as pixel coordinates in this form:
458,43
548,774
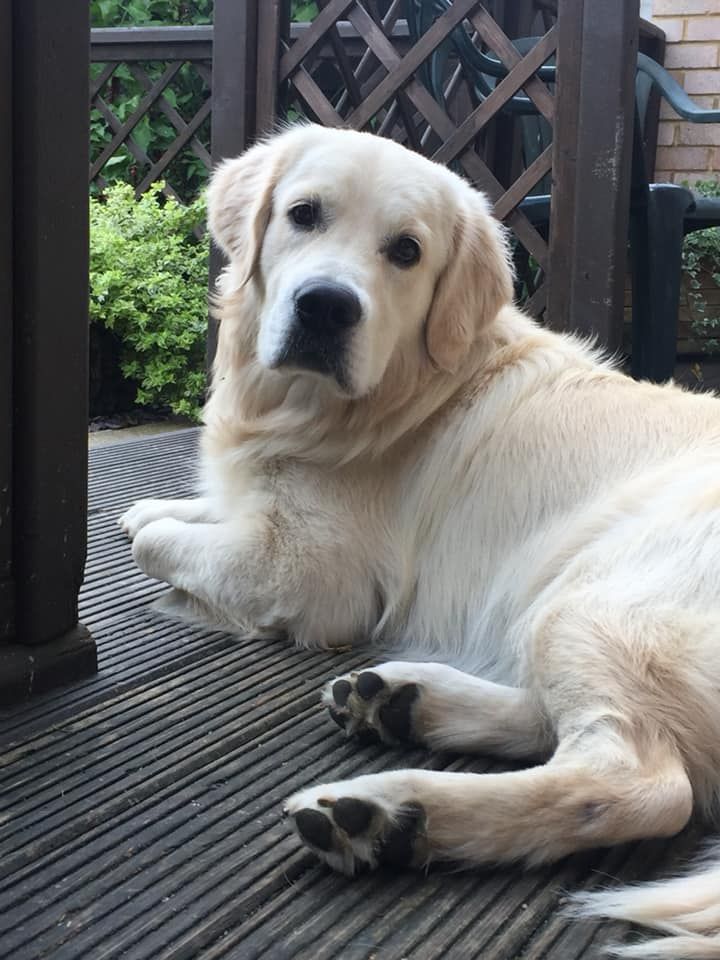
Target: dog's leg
620,687
143,512
224,566
242,576
593,792
441,707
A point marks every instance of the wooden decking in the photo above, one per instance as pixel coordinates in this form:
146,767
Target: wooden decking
140,811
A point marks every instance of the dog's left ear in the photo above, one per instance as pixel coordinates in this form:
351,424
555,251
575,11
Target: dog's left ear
472,288
240,204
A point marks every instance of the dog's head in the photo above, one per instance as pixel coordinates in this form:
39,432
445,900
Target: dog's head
357,248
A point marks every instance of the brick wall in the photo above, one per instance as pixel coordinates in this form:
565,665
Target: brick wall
688,151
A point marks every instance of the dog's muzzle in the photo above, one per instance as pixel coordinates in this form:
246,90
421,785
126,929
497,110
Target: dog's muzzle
325,314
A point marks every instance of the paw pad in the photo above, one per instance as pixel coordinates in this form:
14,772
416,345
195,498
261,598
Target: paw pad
399,843
368,684
352,815
315,828
396,714
341,690
351,832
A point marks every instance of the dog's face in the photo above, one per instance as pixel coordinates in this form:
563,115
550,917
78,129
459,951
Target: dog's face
358,248
350,258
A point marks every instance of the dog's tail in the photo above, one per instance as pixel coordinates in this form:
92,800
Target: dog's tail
686,909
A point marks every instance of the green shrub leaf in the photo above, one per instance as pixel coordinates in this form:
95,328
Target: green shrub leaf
148,283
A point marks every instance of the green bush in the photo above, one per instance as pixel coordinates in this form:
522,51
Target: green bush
148,283
701,256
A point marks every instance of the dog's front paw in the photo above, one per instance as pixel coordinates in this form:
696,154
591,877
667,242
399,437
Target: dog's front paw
369,702
154,548
140,514
353,824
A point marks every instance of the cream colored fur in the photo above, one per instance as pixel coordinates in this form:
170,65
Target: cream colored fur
486,493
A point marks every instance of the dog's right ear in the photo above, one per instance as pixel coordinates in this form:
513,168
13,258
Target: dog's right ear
476,283
240,204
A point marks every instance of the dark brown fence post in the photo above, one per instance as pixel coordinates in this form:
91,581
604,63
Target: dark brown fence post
592,146
50,326
7,591
234,92
273,19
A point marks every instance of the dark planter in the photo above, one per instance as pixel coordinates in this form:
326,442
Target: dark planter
110,393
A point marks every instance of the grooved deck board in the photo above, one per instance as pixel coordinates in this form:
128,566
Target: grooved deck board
140,813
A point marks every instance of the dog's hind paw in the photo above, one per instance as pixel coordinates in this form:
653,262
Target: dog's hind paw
366,703
350,829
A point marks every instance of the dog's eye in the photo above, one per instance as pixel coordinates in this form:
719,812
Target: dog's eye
404,251
305,214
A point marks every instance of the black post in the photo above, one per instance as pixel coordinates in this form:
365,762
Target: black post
50,344
7,590
234,92
592,148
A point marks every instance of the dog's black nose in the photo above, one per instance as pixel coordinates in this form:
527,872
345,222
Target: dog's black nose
324,307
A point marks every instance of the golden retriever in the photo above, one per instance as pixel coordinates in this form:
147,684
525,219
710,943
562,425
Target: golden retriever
393,451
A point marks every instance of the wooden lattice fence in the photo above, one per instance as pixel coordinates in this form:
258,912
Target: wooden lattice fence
150,100
365,64
447,77
385,83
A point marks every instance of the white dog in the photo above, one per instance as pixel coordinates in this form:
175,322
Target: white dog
393,451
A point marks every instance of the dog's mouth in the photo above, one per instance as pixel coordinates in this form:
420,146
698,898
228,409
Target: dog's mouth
325,355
